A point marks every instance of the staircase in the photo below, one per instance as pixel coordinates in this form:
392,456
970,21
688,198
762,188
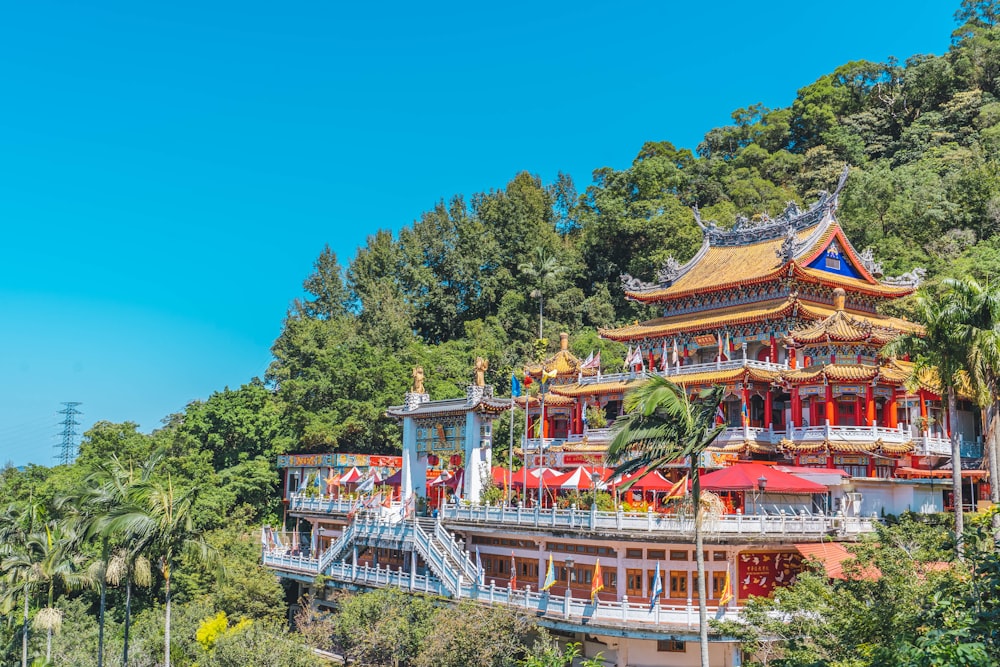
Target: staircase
439,550
338,547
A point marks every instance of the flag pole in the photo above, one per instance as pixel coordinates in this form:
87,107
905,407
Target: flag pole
510,455
541,440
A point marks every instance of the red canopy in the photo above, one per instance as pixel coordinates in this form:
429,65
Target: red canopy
529,477
578,478
654,481
744,476
352,476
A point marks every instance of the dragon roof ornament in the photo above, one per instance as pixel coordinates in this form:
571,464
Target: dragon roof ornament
765,228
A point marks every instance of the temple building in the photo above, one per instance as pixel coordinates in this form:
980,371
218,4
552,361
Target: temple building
824,436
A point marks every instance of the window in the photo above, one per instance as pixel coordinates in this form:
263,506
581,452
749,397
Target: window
678,555
633,553
669,646
718,583
718,555
678,583
656,554
610,579
633,583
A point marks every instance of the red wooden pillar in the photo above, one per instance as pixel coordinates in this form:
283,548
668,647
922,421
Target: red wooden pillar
768,408
796,407
870,400
831,413
774,350
858,421
923,409
791,358
891,407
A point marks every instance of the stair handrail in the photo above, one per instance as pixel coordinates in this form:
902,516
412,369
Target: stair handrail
436,560
337,547
459,555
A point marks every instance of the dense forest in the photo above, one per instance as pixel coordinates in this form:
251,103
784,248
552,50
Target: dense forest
495,274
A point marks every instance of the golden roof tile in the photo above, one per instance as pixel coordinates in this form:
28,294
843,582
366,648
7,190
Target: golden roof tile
702,321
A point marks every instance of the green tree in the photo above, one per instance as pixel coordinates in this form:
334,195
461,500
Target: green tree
541,272
661,425
942,351
157,519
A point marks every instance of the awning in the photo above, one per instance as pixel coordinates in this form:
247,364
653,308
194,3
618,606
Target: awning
831,554
745,476
940,473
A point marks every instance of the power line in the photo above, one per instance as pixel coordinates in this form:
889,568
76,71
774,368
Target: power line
67,448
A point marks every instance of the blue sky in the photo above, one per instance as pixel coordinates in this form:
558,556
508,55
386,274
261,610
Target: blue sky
169,171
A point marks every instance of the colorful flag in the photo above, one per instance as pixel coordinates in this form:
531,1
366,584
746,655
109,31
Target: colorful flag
654,595
589,360
549,375
550,576
513,571
720,348
596,363
743,413
679,489
729,347
675,358
727,590
720,415
663,357
479,567
597,583
515,386
628,358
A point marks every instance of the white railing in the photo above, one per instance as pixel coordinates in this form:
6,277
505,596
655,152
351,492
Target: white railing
459,555
437,561
779,525
337,547
674,370
322,504
603,613
932,447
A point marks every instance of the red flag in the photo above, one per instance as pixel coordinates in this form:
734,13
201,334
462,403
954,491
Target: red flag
513,572
597,583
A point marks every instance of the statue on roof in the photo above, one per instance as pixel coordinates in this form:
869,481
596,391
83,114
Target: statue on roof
909,279
868,261
669,272
481,366
789,248
418,380
630,284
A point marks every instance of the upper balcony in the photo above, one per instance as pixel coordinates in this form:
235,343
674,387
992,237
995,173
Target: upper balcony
780,526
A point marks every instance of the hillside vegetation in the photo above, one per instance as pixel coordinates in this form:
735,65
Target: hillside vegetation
472,276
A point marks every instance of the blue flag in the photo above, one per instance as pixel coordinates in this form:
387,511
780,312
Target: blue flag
515,386
479,567
654,595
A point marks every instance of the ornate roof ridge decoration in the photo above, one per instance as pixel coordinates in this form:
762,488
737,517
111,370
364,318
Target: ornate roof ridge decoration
841,327
912,278
764,228
563,362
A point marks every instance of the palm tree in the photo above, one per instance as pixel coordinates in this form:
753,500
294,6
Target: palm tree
18,556
155,518
132,567
542,271
662,425
942,352
60,566
982,304
104,490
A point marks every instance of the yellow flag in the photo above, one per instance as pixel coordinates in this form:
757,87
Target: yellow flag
727,590
597,583
548,375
